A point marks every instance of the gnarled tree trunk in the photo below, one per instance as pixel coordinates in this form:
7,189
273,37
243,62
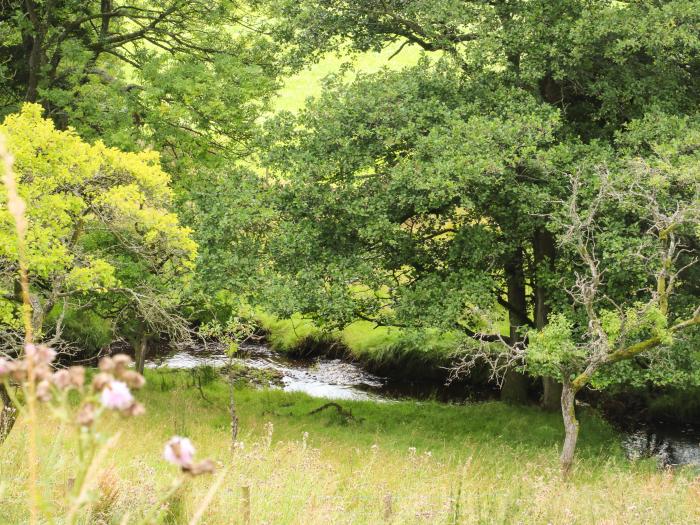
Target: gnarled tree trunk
568,410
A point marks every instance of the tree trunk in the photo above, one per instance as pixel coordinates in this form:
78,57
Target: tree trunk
515,384
515,388
545,252
141,352
568,410
551,397
36,52
8,414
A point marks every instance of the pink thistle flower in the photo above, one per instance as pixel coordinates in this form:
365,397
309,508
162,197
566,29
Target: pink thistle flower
40,354
179,451
61,379
6,367
116,395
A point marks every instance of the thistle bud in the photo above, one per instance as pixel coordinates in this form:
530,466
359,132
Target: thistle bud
121,362
61,379
43,371
86,415
77,376
101,380
39,354
135,409
205,466
133,379
43,391
106,365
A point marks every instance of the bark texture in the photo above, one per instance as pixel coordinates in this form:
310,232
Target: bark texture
141,353
568,410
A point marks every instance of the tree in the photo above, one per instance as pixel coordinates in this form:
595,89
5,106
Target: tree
377,192
596,65
101,237
631,229
186,77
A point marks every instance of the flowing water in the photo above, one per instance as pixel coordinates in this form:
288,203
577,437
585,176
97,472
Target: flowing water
330,378
670,445
337,379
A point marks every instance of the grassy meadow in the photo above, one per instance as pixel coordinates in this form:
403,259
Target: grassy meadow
308,82
399,462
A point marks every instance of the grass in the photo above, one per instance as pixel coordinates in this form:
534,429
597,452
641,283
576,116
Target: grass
308,82
430,463
381,349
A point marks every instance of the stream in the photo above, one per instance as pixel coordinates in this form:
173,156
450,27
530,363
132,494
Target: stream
670,445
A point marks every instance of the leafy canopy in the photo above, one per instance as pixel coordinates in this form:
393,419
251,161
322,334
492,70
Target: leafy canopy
101,234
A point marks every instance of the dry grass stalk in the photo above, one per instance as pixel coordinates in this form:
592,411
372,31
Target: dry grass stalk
17,207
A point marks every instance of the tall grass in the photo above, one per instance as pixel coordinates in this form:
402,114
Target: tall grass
483,463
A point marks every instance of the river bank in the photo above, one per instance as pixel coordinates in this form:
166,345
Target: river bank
666,443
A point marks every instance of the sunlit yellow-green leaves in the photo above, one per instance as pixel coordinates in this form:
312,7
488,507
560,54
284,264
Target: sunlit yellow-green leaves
97,215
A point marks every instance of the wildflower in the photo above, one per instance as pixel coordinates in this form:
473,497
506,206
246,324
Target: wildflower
203,467
43,371
116,395
39,354
86,415
121,363
106,365
43,391
77,376
135,409
101,380
179,451
61,379
133,379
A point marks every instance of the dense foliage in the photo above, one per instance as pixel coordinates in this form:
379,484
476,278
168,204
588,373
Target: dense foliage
101,238
186,77
437,187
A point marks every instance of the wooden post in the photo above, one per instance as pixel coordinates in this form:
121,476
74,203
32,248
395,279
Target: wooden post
245,504
388,510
